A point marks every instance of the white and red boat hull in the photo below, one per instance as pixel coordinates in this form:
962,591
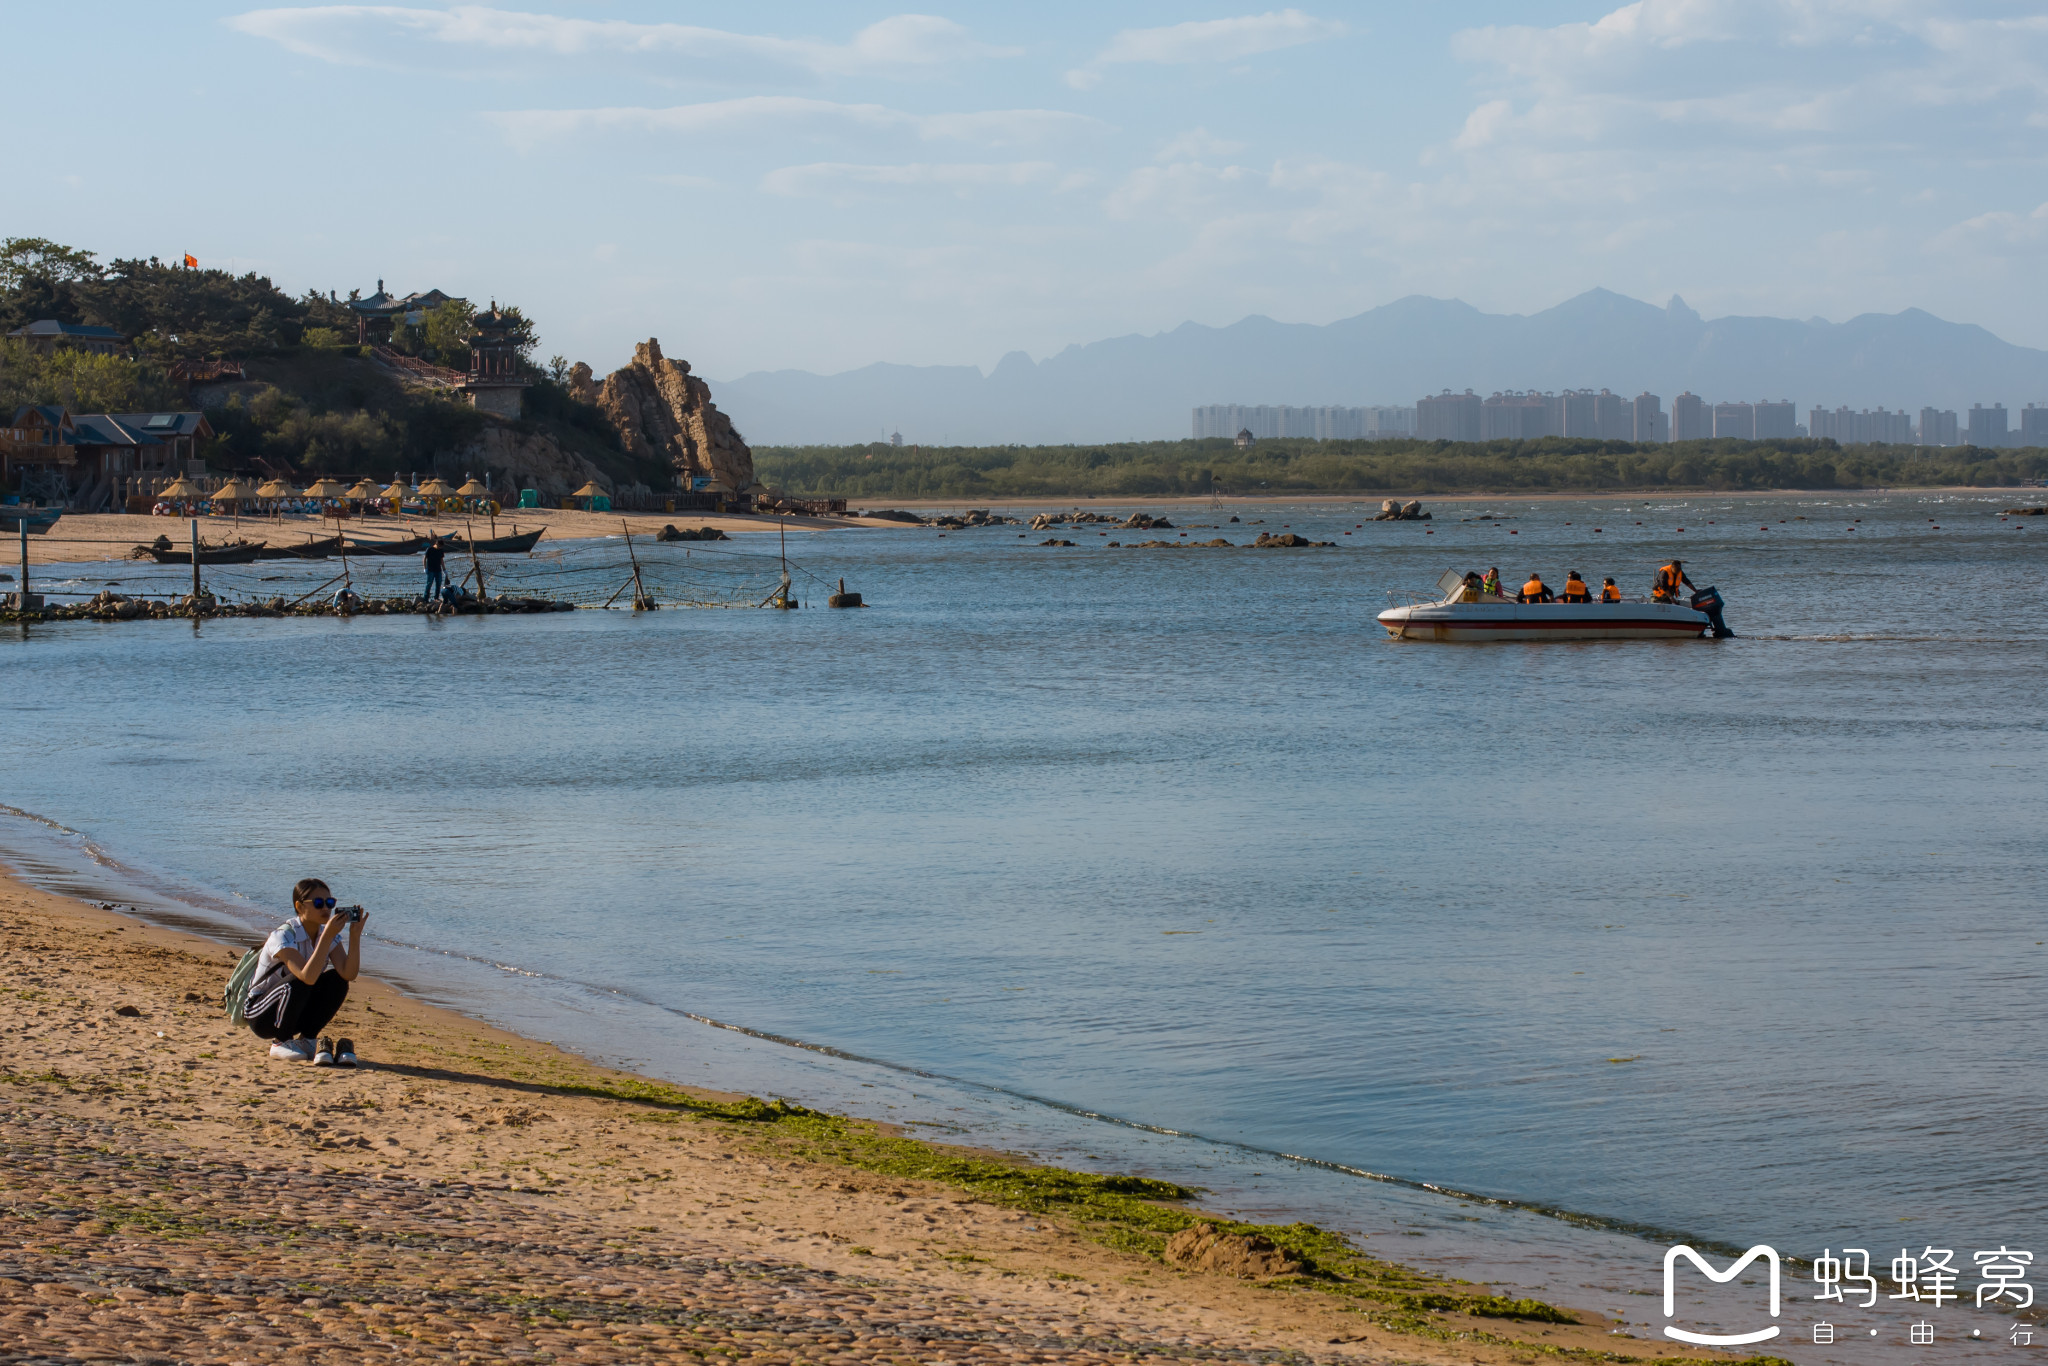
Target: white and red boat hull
1483,621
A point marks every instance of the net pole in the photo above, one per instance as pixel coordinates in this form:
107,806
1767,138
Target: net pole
195,569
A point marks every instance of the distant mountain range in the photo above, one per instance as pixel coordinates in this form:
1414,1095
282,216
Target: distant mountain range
1144,388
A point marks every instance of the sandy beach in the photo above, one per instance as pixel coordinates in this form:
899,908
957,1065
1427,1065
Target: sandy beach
173,1195
112,535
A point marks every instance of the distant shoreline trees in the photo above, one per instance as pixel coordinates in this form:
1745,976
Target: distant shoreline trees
1549,465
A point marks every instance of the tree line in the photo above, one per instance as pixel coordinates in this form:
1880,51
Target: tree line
1191,468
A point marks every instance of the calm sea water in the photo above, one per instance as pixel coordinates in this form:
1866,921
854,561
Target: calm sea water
1741,939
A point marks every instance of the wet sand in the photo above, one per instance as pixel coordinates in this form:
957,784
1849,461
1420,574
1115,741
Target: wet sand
172,1194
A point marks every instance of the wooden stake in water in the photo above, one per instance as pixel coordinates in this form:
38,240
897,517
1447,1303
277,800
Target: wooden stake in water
640,601
23,599
475,563
195,569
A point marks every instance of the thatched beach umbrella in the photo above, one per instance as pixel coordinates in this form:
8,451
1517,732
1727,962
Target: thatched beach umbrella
396,492
326,488
275,488
234,493
181,487
365,489
473,489
434,488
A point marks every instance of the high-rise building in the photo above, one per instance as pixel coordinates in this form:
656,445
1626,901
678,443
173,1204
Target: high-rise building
1647,420
2034,425
1736,420
1265,422
1877,426
1937,427
1613,417
1514,416
1776,421
1987,425
1578,413
1691,419
1448,416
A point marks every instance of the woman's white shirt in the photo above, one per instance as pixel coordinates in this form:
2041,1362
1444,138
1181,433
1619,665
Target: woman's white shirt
293,935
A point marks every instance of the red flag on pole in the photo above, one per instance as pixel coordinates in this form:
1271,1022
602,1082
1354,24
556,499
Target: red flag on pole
191,261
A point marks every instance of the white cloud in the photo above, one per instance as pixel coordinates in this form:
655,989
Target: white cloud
1207,40
1996,234
843,179
1218,40
381,35
1197,143
528,128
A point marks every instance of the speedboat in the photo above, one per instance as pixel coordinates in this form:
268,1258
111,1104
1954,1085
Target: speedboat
1460,613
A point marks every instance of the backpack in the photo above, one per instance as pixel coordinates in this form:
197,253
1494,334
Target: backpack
237,990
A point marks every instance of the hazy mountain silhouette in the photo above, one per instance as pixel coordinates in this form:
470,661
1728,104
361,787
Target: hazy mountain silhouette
1142,388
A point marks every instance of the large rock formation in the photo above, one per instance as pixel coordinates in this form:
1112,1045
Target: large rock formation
520,460
660,410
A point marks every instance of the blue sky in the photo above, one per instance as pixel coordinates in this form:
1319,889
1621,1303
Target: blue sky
821,186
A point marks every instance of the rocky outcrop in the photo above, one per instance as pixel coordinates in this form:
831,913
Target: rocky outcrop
1394,510
1284,541
661,411
1249,1256
517,460
979,517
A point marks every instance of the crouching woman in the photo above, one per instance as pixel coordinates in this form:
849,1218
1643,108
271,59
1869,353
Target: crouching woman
302,977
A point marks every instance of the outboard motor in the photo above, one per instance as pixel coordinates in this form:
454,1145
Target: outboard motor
1708,600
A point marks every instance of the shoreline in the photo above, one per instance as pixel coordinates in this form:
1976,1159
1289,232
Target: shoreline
689,1174
103,536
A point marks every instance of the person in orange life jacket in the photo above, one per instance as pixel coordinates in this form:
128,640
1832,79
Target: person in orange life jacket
1534,591
1608,592
1575,589
1490,585
1669,580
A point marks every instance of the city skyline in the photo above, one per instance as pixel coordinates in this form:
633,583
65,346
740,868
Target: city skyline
1531,414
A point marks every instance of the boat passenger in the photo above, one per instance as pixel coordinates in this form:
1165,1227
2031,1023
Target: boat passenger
1669,580
1534,590
1575,589
1490,585
1468,591
1608,592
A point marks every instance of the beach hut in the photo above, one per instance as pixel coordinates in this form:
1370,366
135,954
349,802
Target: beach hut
595,498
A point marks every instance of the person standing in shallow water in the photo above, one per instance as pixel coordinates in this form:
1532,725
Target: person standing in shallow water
302,977
436,556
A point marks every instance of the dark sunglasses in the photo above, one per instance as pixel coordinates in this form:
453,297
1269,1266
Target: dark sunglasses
321,903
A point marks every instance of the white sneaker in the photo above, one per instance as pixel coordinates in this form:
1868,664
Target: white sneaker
292,1050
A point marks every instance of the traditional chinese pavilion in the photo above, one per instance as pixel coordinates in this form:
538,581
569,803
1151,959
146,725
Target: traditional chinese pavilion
495,384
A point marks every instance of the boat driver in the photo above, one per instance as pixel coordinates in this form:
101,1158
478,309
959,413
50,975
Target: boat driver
1669,580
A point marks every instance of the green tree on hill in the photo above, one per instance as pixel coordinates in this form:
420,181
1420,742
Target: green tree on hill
82,381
